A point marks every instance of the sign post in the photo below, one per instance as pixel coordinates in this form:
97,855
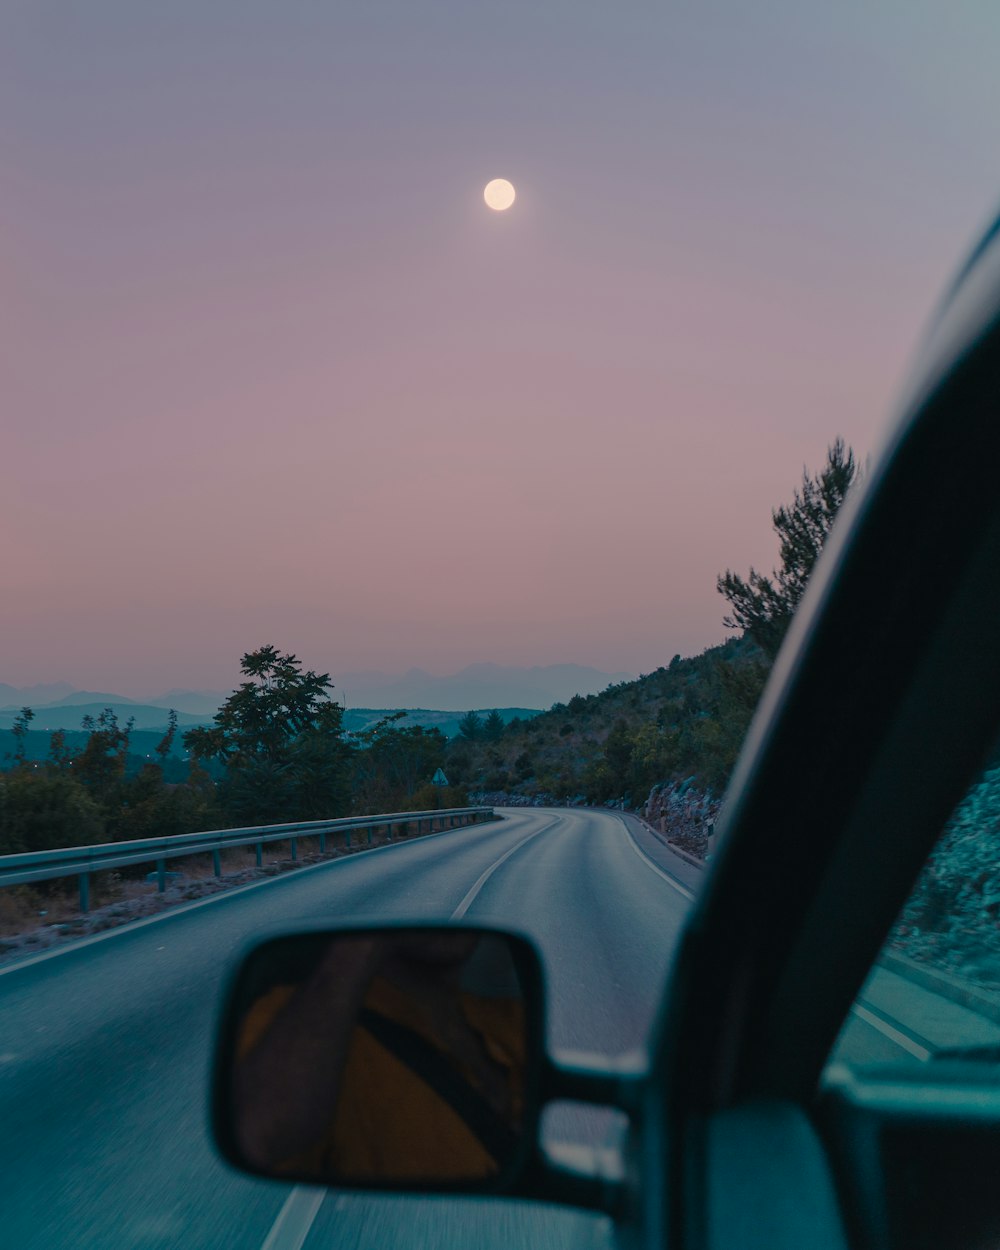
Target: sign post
439,780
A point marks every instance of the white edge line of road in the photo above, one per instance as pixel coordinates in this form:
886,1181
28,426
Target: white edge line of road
290,1230
672,881
182,909
295,1219
894,1035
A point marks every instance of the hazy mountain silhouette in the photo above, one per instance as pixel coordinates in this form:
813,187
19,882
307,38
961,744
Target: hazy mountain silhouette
481,685
33,696
196,702
477,685
89,696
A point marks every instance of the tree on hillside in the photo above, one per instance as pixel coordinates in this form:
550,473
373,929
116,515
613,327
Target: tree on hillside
281,740
493,727
763,606
162,748
471,726
20,731
45,809
100,766
394,763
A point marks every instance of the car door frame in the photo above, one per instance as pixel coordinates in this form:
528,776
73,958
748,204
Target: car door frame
879,711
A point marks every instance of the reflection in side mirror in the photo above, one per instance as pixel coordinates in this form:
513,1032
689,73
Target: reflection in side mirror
383,1058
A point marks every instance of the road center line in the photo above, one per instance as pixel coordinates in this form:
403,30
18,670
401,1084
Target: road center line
470,898
671,881
894,1035
290,1230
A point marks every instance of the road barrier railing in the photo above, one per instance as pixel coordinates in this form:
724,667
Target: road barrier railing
81,861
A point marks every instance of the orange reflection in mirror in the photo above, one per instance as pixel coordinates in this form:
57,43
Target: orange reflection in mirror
391,1057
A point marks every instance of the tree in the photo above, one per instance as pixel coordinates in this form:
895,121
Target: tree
20,731
280,738
40,811
167,741
100,766
394,763
471,726
763,606
60,756
493,727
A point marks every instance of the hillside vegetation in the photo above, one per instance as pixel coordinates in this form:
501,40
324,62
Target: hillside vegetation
685,720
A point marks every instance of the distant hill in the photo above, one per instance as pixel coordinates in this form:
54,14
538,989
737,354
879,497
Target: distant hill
683,721
33,696
196,702
102,697
69,715
148,717
357,719
476,686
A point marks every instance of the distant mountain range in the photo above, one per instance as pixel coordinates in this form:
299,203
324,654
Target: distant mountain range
477,686
33,696
480,686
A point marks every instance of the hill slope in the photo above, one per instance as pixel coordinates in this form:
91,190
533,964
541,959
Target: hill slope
687,720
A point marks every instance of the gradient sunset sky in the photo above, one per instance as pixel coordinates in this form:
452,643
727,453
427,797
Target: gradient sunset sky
273,372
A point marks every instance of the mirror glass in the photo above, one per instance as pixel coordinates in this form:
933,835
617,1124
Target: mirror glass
381,1057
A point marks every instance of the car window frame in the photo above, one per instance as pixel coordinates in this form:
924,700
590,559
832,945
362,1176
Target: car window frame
872,668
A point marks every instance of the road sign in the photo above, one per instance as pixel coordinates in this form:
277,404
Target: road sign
439,779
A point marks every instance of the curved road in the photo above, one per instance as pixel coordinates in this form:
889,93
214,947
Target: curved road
104,1045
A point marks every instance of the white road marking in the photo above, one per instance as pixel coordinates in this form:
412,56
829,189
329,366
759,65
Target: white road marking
297,1216
290,1230
894,1035
672,881
470,898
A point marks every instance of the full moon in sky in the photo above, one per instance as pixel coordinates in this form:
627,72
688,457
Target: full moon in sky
499,194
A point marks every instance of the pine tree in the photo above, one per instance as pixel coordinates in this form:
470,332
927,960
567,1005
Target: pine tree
763,606
493,727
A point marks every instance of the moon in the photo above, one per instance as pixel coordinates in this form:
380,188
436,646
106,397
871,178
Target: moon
499,194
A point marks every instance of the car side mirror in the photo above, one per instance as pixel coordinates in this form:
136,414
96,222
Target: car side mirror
383,1058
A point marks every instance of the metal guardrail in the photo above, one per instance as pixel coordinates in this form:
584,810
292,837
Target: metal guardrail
81,861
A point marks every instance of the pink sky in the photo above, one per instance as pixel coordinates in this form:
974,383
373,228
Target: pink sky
273,372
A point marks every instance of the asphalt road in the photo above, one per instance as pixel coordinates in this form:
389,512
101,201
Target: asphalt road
104,1046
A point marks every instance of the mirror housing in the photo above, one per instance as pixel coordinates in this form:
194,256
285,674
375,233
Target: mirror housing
403,1057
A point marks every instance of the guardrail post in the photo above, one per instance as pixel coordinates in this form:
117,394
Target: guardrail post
369,835
161,875
217,862
322,844
294,845
347,836
260,854
84,892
